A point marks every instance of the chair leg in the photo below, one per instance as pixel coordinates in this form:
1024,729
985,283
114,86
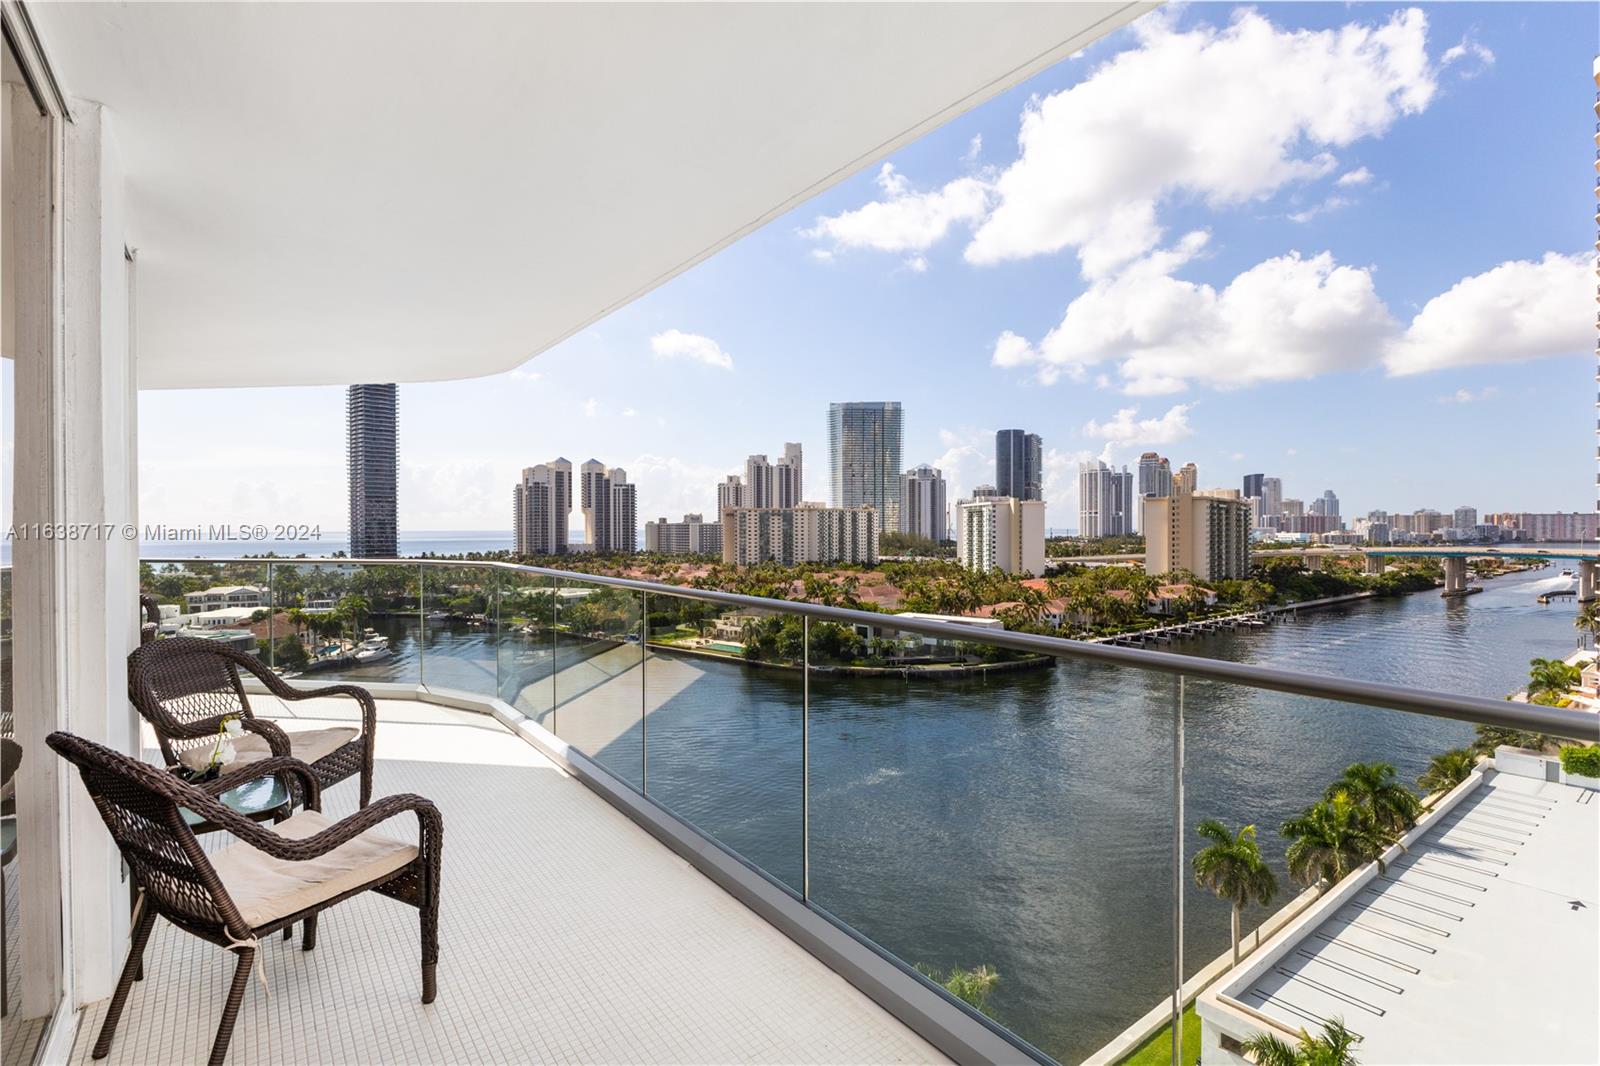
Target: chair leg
5,937
230,1011
308,939
430,947
119,999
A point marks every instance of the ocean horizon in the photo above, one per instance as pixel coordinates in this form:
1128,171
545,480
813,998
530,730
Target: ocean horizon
421,542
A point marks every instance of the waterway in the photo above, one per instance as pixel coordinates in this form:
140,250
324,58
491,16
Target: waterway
1024,821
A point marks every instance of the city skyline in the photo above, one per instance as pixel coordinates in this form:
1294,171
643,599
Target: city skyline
1374,204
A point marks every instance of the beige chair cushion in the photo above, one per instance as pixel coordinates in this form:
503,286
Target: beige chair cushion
266,889
307,745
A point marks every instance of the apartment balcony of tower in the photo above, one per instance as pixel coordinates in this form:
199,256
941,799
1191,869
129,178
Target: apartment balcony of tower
185,208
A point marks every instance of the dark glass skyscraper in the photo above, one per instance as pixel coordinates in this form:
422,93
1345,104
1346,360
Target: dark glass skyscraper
864,458
370,416
1019,464
1252,485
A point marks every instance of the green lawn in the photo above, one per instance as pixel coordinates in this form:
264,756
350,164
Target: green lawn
1157,1051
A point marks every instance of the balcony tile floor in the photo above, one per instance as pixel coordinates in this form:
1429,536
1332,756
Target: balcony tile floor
567,935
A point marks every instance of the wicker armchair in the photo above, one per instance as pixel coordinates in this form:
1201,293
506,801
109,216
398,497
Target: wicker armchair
267,880
150,608
185,686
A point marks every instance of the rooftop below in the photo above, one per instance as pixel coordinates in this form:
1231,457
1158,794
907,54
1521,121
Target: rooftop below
567,934
1472,947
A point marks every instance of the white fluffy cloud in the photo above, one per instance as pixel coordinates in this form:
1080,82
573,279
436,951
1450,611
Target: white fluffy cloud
1294,317
1358,176
671,488
1287,317
905,220
1474,57
1518,311
1126,427
968,459
675,344
1227,115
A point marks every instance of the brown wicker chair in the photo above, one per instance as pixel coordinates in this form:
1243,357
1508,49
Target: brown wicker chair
150,628
224,896
185,686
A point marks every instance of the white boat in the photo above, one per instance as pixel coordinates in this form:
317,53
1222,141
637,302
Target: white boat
438,616
1567,574
372,649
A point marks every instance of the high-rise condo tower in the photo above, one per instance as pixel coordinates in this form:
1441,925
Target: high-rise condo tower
371,456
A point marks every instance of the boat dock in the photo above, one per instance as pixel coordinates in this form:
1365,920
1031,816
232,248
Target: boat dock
1217,623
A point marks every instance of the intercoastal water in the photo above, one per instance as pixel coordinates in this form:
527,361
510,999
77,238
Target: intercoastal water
1024,821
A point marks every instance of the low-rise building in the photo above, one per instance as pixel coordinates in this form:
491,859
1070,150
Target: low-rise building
810,533
1477,922
692,536
219,596
221,618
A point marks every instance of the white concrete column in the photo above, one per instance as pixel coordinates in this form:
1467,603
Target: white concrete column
76,590
1455,575
1588,581
99,471
1375,564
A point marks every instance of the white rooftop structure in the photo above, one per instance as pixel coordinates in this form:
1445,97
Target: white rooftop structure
1476,945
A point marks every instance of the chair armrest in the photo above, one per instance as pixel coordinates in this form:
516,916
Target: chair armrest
285,691
429,822
277,739
227,782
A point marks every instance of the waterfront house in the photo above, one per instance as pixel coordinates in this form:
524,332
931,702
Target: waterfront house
220,596
1166,597
221,618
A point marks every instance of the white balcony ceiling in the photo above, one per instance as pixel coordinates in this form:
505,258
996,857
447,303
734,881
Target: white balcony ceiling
327,193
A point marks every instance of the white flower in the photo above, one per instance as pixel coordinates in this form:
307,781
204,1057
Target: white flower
233,727
225,753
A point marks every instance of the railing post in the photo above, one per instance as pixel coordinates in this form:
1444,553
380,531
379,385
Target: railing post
805,757
272,611
422,623
1177,876
644,694
555,653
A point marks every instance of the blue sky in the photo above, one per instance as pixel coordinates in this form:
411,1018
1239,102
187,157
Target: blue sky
1342,244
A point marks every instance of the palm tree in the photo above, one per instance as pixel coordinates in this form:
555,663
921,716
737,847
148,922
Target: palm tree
1549,680
1447,770
1332,1047
1588,619
1391,806
1331,838
1232,867
353,608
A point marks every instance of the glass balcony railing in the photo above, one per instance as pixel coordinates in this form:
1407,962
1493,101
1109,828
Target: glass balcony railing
1012,818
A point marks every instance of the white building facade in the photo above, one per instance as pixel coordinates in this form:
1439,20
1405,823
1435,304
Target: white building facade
922,503
1105,501
220,596
1001,533
692,536
810,533
1206,533
541,504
